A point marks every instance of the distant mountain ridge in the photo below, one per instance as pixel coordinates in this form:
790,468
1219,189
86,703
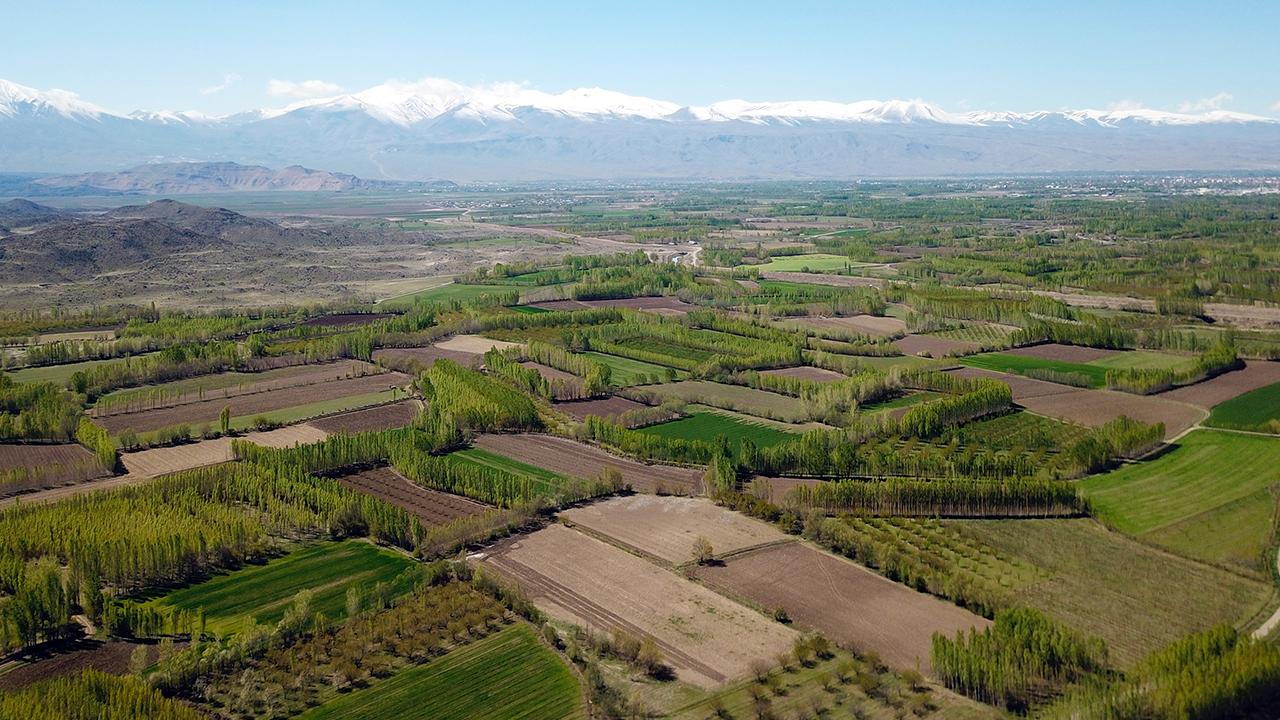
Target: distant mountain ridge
190,177
435,128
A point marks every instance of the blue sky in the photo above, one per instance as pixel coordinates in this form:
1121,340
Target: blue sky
1033,55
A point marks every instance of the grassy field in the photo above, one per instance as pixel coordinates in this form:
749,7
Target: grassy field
476,456
506,676
907,400
985,334
529,309
1251,411
708,426
1136,597
1206,498
1019,430
1144,359
625,372
1020,364
817,262
59,374
262,593
451,291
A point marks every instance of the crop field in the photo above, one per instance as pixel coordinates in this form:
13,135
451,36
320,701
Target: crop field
560,455
709,427
381,417
707,639
804,372
225,386
1018,430
1254,410
666,527
1145,359
625,372
451,291
30,467
474,344
1215,391
905,400
1136,597
932,346
1208,497
660,305
262,593
421,358
846,602
734,397
550,373
857,324
817,262
549,480
58,374
1020,364
508,675
984,334
608,408
432,507
1073,354
363,391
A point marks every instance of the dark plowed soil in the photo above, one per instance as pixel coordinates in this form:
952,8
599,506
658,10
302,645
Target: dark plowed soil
345,319
430,506
585,461
609,407
382,417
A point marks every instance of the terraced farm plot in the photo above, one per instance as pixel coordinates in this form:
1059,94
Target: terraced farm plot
666,527
432,507
1255,410
382,417
1136,597
846,602
576,459
1022,364
1207,498
508,675
262,593
313,399
709,426
625,372
734,397
707,638
30,467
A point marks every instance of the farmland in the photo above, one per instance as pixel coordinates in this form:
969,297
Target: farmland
506,676
578,579
807,263
430,506
804,372
607,408
709,426
627,372
1208,497
1021,364
733,397
381,417
575,459
262,593
1254,410
30,467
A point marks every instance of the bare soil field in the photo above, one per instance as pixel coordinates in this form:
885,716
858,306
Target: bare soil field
935,346
421,358
585,461
165,460
70,658
706,638
658,305
775,489
474,344
207,411
1063,353
666,527
609,407
250,384
381,417
347,319
1093,407
804,372
821,279
864,324
1245,316
430,506
561,305
846,602
762,403
47,465
550,373
1255,374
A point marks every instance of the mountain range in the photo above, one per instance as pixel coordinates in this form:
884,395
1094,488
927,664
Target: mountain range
440,129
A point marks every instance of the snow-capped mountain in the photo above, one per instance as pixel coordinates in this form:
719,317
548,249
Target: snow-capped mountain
437,128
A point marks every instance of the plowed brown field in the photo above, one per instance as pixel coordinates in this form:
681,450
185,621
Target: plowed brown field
610,407
804,372
430,506
382,417
585,461
1256,374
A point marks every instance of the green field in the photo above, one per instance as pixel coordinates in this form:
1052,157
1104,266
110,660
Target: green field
625,372
1020,430
709,426
529,309
1144,359
262,593
985,334
506,676
1253,410
451,291
1206,498
1134,596
906,400
476,456
817,262
1020,364
59,374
